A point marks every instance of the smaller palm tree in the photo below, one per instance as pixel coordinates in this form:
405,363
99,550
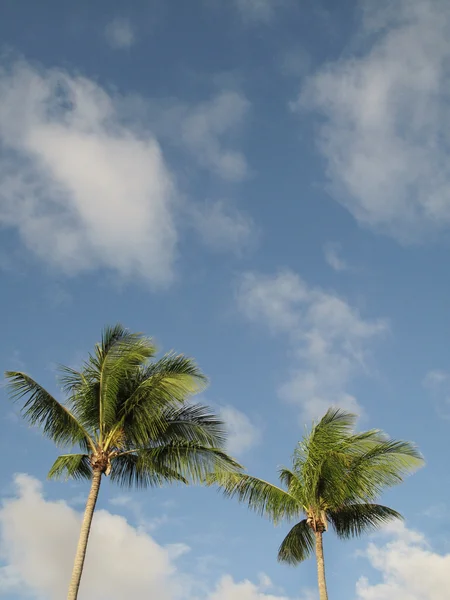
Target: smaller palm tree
336,478
130,419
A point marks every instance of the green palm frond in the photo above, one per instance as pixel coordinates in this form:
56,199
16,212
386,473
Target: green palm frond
298,545
183,461
324,441
356,519
83,390
286,476
194,423
138,469
128,353
158,389
262,497
384,464
71,466
42,409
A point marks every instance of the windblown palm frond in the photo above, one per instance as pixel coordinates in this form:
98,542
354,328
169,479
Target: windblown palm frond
356,519
43,410
261,496
71,466
298,545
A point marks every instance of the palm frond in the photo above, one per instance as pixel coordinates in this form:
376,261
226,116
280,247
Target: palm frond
176,461
121,358
385,463
298,545
71,466
138,469
193,423
82,389
356,519
262,497
324,441
42,409
161,386
286,476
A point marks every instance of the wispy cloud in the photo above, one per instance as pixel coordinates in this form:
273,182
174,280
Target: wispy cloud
206,124
119,33
207,131
223,227
243,433
385,131
332,253
328,337
260,11
437,382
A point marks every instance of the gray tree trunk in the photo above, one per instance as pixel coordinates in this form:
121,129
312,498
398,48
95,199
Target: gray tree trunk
323,594
84,536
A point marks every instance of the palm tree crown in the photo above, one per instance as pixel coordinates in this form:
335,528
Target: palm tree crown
128,415
130,419
335,478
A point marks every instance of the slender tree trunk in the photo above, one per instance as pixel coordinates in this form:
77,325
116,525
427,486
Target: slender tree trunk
323,594
84,536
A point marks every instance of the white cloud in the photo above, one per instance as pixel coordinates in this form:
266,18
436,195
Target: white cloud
409,569
242,433
37,544
437,382
38,541
435,379
82,190
385,132
203,127
332,255
227,589
224,228
85,183
328,337
136,509
257,10
206,131
119,33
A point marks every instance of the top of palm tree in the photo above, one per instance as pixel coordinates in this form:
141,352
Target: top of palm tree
333,467
129,414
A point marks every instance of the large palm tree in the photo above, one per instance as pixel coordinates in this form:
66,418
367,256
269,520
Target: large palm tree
335,478
130,419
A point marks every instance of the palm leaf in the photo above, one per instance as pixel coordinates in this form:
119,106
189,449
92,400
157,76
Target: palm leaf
262,497
137,469
298,545
121,358
156,391
43,410
356,519
178,461
193,423
71,466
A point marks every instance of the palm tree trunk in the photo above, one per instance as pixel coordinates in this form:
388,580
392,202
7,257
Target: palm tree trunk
323,594
84,536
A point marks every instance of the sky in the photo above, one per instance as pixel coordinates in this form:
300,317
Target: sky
263,185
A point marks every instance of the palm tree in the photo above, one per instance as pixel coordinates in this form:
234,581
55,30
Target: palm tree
130,419
336,477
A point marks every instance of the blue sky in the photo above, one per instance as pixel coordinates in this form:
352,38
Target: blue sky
263,185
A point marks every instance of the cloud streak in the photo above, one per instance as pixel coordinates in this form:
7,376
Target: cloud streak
385,115
328,337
